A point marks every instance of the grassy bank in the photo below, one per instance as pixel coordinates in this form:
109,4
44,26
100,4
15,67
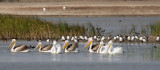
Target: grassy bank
22,27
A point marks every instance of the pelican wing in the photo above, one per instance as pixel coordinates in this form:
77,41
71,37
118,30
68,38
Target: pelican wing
95,47
46,47
21,48
72,47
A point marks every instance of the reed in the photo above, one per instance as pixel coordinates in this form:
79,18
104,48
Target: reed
155,28
26,27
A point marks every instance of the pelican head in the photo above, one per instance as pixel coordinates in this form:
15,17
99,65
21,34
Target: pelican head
88,43
65,44
38,45
54,42
109,45
100,46
12,43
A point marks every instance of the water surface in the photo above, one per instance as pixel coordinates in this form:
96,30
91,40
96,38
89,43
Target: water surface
114,25
136,57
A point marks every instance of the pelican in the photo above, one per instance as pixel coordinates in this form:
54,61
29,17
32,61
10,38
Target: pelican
19,48
46,48
70,47
92,48
108,48
56,49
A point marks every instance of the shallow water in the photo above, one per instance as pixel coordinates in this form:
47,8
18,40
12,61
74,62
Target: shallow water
116,25
136,57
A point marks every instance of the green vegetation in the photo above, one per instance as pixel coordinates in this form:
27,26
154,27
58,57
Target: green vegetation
24,27
155,28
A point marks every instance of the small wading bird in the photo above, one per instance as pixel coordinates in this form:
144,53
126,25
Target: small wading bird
70,47
19,48
108,48
92,48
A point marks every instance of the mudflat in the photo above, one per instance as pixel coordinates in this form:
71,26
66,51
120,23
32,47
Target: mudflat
99,8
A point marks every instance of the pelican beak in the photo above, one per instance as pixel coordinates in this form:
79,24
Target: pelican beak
88,43
100,46
65,45
38,46
11,45
109,47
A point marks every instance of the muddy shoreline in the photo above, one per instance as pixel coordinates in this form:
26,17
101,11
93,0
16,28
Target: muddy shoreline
87,9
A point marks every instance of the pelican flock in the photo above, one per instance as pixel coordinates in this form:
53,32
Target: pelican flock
95,44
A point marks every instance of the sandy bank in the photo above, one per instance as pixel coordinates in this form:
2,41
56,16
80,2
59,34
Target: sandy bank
112,8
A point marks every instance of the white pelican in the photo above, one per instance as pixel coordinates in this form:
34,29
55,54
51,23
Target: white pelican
70,47
46,48
56,48
108,48
92,48
19,48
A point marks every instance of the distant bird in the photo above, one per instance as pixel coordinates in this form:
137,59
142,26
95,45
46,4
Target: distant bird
68,37
47,40
72,38
64,8
62,38
140,38
103,38
157,38
44,9
144,40
115,38
120,39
